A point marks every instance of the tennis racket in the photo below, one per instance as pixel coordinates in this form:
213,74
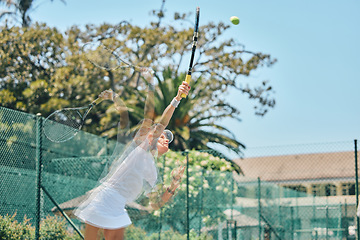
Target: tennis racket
64,124
103,57
195,38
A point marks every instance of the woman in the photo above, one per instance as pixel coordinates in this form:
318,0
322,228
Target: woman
134,172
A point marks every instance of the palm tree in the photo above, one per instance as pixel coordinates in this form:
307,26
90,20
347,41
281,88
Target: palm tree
194,122
19,8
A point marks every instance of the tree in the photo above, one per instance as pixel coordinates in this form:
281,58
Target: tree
19,9
43,70
191,121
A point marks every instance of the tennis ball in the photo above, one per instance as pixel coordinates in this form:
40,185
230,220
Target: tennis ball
235,20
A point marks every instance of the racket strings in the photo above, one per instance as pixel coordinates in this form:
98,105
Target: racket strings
103,58
62,125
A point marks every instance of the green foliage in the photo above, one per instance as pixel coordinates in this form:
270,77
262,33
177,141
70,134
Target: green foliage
177,236
50,228
42,70
53,228
199,160
134,233
11,229
203,236
211,191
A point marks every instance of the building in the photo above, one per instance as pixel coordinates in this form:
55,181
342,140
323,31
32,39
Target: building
318,174
314,194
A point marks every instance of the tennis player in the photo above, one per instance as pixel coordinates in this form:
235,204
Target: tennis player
134,172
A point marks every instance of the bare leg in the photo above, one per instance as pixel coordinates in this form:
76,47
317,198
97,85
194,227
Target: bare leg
91,232
114,234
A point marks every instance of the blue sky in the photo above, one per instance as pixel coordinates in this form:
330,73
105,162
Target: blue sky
316,43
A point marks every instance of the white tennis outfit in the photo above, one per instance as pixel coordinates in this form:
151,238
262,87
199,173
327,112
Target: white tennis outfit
105,207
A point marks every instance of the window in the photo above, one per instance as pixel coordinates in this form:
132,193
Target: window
301,188
330,190
315,190
348,189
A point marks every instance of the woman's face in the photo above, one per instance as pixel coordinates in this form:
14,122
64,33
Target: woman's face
162,144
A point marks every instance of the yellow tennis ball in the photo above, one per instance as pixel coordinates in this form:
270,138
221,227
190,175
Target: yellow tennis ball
235,20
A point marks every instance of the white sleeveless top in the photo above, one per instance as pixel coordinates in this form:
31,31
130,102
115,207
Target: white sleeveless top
133,174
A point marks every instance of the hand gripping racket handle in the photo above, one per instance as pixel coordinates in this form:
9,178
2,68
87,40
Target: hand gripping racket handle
187,79
195,38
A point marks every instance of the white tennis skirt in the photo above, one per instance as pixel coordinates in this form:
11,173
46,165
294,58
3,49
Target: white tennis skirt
105,208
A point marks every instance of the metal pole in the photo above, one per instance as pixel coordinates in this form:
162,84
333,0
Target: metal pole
62,212
327,222
161,210
340,232
187,198
292,222
38,164
201,192
357,189
235,227
259,206
232,206
346,232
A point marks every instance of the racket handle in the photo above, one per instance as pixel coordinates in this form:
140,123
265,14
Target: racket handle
187,79
97,101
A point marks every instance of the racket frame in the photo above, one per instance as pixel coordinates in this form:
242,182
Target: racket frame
76,130
111,52
195,39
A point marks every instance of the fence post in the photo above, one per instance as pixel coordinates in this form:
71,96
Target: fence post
161,209
38,162
201,192
259,205
232,207
292,222
62,212
187,198
356,188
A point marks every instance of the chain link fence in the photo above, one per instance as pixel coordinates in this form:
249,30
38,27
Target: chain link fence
282,193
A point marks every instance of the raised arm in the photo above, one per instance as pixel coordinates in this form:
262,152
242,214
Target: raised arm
169,111
149,109
119,105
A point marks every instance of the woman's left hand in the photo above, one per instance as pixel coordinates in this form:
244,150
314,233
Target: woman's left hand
183,88
176,175
107,94
148,74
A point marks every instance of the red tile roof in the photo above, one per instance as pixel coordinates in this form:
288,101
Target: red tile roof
300,167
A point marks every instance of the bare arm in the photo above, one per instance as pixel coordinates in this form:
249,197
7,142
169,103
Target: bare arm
119,105
149,109
169,111
158,199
